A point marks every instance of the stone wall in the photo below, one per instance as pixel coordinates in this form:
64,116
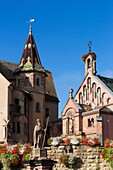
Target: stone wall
88,158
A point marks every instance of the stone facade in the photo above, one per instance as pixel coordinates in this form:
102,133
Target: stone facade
88,157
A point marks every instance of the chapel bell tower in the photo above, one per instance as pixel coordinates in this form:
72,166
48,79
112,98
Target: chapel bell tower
90,61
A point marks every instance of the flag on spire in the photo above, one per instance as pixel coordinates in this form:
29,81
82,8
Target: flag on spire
32,20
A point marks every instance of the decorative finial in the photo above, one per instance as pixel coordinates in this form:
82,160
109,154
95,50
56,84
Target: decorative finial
29,22
89,45
71,93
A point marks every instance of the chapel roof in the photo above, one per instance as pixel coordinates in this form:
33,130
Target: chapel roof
107,81
87,54
30,60
85,107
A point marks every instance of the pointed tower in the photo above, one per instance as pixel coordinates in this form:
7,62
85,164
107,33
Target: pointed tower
33,79
90,61
30,74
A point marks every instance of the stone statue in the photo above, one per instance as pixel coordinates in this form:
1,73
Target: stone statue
71,127
38,134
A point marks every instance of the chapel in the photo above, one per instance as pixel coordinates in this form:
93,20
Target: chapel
27,93
90,110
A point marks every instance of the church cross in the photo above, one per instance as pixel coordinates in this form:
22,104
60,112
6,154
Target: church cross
89,45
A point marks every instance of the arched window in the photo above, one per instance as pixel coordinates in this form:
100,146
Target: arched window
90,122
93,91
89,85
80,98
88,63
103,98
84,93
98,96
27,83
108,101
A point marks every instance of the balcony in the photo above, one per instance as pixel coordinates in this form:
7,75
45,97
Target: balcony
15,109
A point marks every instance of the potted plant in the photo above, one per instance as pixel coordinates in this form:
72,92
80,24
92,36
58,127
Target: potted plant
68,160
64,159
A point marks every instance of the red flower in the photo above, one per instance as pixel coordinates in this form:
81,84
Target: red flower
67,141
96,141
84,140
101,154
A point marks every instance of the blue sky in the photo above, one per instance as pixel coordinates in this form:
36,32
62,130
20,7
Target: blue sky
62,29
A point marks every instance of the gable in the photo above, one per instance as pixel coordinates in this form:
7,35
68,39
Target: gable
72,106
95,91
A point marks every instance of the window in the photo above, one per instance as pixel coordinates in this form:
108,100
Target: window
46,112
37,82
84,93
93,91
16,101
108,101
89,85
37,107
103,98
80,98
19,84
16,127
91,122
27,83
98,96
88,63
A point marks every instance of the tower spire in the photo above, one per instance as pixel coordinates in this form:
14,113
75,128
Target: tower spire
30,22
30,60
30,29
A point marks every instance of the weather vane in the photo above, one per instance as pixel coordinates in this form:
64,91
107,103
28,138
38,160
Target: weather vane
29,22
89,45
